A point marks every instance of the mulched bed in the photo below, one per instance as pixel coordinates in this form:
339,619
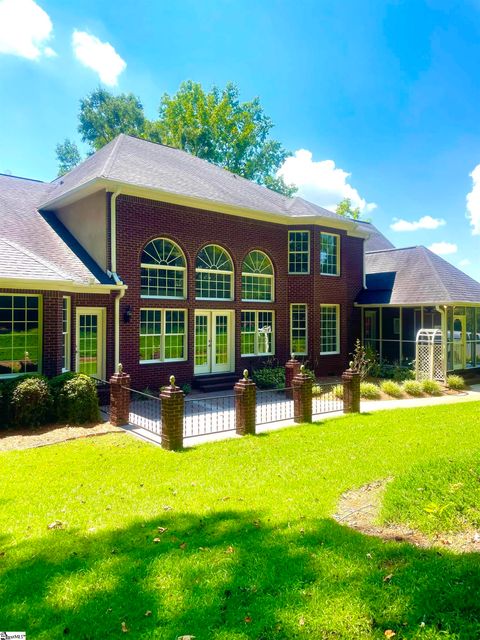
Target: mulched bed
359,509
11,440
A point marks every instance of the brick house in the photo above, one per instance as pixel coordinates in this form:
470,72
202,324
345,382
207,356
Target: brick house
151,257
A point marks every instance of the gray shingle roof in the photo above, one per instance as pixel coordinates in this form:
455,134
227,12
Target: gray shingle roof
377,241
133,161
30,248
415,275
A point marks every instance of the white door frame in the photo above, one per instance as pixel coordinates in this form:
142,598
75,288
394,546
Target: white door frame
459,347
210,367
100,312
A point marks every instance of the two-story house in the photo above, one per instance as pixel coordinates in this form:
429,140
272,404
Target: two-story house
146,255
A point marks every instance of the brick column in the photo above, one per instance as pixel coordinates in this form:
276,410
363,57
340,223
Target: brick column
119,398
245,405
292,368
302,396
351,391
173,401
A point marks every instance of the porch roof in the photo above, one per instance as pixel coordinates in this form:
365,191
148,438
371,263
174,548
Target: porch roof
414,275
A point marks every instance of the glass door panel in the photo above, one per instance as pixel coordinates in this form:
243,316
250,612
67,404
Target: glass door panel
90,342
202,343
221,342
213,342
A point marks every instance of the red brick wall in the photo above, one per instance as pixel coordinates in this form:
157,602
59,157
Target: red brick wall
140,220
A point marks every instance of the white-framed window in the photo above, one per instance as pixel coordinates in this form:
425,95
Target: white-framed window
298,329
299,252
329,329
162,335
20,333
163,270
257,277
213,274
66,333
329,254
257,333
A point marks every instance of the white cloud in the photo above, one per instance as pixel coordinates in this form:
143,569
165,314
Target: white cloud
464,263
25,28
99,56
321,181
473,201
443,248
426,222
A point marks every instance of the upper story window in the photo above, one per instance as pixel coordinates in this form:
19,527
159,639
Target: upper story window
163,270
329,254
214,274
20,334
299,252
257,277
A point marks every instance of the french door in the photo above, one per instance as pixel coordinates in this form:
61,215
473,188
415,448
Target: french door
90,341
213,342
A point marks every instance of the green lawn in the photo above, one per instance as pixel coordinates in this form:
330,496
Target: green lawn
250,549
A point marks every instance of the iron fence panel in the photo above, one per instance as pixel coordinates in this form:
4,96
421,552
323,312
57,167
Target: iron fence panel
326,401
145,411
207,415
274,405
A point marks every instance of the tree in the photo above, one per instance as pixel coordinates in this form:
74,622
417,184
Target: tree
344,208
103,116
212,125
68,156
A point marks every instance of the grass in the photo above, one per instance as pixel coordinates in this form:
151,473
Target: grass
250,551
442,495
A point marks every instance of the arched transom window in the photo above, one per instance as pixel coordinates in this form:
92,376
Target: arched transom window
257,277
214,274
163,270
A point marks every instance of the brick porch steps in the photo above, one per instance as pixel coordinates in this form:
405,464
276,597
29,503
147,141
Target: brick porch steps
216,382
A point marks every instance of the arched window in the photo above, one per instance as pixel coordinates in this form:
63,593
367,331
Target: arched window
214,274
163,270
257,277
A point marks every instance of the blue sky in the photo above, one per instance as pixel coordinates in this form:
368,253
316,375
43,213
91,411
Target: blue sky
377,100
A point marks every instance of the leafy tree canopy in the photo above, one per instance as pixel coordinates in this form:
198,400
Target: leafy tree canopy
213,125
68,156
344,208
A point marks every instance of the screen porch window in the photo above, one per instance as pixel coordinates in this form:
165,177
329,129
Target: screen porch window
162,335
257,333
163,270
20,334
66,333
257,277
329,254
214,274
298,329
299,252
329,329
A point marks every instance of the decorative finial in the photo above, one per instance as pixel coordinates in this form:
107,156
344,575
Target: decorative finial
302,368
245,374
120,367
350,364
292,356
172,380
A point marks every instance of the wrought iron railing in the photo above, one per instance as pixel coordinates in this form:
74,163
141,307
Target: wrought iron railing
327,400
274,405
208,415
145,411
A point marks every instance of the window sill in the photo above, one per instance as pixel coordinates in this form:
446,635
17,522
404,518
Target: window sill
256,355
297,273
215,300
162,361
329,353
144,297
331,275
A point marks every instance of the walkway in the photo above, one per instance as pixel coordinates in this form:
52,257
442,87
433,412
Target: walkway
367,406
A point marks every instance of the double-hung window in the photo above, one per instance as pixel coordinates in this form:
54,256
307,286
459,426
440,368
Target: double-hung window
257,333
20,333
298,329
329,254
299,252
162,335
66,335
329,329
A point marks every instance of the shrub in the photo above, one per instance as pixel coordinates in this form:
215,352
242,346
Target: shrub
455,382
338,391
31,402
316,390
391,388
364,359
186,388
369,391
77,400
432,388
269,377
413,388
7,387
56,384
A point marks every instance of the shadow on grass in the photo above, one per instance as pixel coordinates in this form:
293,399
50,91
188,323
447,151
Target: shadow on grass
232,575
